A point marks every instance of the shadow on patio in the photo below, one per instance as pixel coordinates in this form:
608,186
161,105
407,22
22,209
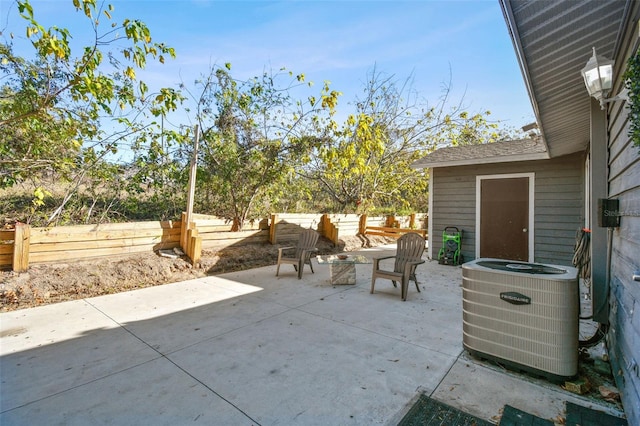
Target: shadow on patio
251,348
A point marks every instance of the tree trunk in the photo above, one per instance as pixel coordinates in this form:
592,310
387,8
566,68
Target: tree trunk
237,224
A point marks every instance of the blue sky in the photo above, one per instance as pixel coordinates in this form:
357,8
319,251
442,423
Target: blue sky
337,41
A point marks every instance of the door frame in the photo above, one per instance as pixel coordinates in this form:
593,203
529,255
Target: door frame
531,232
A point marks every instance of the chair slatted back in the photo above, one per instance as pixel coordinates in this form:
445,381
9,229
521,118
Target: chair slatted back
410,248
307,240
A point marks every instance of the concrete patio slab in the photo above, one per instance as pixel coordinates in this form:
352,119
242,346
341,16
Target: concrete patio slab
58,347
252,348
175,316
419,321
298,368
156,392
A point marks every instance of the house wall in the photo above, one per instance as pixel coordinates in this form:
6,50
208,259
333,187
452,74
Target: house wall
624,301
558,205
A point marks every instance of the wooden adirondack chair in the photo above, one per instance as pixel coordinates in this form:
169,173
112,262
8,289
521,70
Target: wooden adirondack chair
408,256
300,254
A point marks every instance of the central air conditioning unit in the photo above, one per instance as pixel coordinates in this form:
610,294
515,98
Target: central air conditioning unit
524,315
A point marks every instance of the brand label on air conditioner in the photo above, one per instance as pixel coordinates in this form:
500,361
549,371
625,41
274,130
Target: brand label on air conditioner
515,298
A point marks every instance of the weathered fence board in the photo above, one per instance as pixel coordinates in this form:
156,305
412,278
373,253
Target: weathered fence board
311,221
348,224
393,232
215,233
396,226
6,247
6,235
21,241
87,241
157,242
43,236
84,229
228,238
286,227
72,255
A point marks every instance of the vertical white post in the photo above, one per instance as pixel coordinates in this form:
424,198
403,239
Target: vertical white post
187,219
192,175
599,189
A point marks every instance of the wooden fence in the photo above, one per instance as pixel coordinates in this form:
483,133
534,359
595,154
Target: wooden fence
24,245
394,226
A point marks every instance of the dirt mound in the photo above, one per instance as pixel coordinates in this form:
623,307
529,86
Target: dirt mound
57,282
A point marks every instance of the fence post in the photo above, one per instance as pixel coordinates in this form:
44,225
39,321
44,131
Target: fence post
390,221
323,226
412,221
362,226
273,236
190,242
195,246
22,237
184,227
335,234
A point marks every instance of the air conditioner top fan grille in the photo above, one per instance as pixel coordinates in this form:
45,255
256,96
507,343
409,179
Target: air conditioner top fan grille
520,267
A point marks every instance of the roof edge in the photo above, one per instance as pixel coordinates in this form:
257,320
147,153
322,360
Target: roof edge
514,35
488,160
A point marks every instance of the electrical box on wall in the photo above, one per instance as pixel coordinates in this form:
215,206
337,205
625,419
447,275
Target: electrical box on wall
608,213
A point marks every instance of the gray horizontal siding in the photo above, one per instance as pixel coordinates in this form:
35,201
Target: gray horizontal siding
454,204
559,204
559,208
624,185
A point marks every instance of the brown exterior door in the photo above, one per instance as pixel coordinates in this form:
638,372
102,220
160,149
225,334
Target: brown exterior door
504,218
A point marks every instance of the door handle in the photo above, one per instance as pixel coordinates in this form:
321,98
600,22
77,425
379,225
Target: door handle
524,229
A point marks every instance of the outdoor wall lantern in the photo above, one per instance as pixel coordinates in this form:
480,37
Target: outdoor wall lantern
598,77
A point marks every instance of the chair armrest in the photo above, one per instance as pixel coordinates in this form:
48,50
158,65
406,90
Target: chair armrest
384,257
376,261
410,265
307,252
281,251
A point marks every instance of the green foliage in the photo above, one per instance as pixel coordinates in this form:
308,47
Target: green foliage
104,207
54,107
365,164
462,128
65,113
632,77
251,138
390,211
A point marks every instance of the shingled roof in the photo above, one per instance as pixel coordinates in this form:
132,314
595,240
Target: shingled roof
497,152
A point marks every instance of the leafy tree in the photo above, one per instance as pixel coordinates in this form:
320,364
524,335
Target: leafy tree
366,162
53,108
252,137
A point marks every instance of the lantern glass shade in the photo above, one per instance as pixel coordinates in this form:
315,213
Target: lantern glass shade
598,75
